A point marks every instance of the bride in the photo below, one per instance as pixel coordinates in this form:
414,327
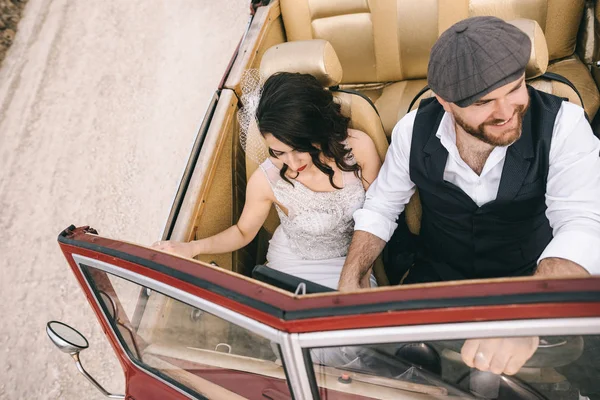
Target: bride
316,175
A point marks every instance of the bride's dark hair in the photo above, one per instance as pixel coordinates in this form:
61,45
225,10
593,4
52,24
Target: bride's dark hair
300,113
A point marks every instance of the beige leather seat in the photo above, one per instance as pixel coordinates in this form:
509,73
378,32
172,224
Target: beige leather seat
317,57
383,45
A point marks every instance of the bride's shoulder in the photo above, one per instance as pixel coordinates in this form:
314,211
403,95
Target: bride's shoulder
357,138
259,183
361,144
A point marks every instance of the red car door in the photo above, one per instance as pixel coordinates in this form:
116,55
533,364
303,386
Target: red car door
185,329
180,329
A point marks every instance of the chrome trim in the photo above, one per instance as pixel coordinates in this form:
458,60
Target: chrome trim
197,302
189,167
93,381
290,367
64,345
298,375
466,330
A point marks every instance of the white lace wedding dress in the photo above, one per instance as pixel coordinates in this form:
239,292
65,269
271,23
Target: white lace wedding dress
313,238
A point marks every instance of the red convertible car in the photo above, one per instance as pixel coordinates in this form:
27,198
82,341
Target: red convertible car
227,327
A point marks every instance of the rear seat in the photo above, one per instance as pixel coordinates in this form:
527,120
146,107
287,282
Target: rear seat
383,45
318,58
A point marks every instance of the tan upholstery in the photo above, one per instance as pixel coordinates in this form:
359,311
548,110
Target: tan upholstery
394,101
556,88
559,19
364,118
586,39
413,213
315,57
575,71
266,31
387,42
538,61
383,47
390,40
376,40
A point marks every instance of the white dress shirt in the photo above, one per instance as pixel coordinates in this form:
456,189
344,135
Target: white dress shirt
572,189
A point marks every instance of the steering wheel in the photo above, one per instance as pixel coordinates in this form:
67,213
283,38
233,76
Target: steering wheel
499,387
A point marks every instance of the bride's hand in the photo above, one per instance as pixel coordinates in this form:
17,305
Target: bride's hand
183,249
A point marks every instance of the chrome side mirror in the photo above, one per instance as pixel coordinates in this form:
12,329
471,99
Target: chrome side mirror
70,341
67,339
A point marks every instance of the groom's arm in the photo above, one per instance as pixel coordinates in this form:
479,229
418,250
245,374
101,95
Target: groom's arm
386,198
572,197
363,252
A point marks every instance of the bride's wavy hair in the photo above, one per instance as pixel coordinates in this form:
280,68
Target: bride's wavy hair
300,113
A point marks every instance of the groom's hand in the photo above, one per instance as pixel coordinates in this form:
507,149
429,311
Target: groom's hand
499,355
348,285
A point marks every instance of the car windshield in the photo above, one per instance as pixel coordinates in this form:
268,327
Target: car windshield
562,368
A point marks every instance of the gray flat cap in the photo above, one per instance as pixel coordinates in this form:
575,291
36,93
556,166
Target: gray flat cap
476,56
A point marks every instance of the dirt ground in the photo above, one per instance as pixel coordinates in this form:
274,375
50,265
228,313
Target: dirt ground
100,102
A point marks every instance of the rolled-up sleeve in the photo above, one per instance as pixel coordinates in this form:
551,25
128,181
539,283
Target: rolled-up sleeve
388,194
573,191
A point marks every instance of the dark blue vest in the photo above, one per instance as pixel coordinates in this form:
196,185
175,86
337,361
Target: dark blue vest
504,237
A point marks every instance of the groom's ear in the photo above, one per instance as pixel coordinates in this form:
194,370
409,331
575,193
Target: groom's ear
444,104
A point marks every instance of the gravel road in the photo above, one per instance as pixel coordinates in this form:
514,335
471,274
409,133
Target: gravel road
100,102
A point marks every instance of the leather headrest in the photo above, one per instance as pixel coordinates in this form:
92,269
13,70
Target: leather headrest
315,57
538,62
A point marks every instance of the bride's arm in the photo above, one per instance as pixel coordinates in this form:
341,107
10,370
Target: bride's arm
365,154
259,198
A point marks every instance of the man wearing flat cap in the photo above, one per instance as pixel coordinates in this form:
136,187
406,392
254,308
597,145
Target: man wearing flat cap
508,177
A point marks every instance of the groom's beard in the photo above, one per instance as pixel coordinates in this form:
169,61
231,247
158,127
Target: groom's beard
505,138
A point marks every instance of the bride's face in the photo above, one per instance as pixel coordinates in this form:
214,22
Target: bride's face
295,160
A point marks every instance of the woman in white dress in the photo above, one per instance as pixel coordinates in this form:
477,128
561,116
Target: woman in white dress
316,175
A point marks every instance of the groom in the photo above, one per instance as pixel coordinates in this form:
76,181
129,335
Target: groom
509,178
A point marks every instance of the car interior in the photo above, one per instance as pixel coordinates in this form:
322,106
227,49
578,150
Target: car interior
373,56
